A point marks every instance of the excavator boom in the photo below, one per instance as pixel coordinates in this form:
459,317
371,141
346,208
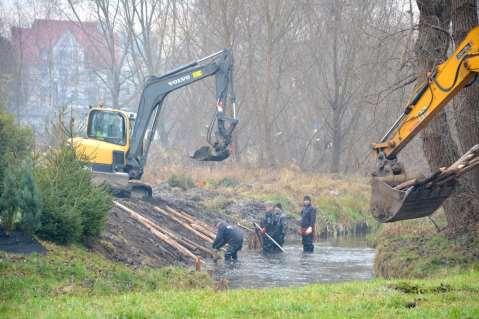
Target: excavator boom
219,64
390,202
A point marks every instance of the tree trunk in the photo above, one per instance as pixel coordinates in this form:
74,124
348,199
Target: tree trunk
466,103
268,83
466,113
337,144
439,147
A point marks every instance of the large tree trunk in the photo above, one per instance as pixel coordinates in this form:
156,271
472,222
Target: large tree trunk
466,113
431,47
466,104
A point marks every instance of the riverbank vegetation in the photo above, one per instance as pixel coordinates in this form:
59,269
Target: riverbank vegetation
421,248
48,194
75,271
342,201
76,283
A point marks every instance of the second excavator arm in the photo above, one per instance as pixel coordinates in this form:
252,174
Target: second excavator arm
220,65
430,97
389,201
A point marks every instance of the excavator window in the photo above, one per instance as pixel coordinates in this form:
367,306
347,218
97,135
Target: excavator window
108,126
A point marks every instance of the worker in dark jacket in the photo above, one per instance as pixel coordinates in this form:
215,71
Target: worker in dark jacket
308,221
280,227
267,226
272,224
231,236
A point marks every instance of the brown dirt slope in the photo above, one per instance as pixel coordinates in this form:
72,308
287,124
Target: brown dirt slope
130,240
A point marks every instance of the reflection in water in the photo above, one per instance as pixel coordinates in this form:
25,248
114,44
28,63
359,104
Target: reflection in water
331,261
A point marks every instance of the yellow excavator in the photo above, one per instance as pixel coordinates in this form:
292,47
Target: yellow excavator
117,142
389,201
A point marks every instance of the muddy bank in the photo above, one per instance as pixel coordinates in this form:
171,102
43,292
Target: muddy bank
128,240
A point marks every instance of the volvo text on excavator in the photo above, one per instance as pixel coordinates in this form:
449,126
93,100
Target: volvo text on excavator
116,147
389,200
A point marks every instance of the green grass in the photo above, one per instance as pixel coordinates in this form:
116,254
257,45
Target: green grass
74,271
449,297
72,282
425,254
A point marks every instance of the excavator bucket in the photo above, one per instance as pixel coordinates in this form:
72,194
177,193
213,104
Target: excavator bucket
208,153
389,204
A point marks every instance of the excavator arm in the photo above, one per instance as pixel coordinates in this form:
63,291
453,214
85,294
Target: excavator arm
429,98
220,65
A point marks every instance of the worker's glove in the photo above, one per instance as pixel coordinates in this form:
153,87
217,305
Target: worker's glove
308,231
263,231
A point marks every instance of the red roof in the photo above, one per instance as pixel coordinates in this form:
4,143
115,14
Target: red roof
44,34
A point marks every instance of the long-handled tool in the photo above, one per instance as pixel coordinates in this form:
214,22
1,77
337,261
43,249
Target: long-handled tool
269,237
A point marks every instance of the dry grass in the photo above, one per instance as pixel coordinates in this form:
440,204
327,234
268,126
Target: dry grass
341,200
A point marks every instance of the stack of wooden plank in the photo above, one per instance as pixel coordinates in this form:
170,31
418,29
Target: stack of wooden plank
180,245
444,175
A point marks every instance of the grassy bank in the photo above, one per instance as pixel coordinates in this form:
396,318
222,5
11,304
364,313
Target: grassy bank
74,271
71,282
450,297
417,249
343,201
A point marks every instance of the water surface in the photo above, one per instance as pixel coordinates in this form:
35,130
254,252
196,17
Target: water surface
330,262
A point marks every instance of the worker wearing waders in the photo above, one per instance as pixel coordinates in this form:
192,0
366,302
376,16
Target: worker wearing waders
231,236
280,230
308,221
272,225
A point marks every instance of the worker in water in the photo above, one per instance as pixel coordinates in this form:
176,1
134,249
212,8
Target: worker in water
231,236
271,224
280,226
308,221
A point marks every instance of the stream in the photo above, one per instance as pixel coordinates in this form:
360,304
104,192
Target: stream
332,261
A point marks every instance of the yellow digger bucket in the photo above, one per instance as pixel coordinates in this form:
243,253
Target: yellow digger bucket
389,204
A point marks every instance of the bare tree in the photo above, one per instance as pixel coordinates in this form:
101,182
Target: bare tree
110,48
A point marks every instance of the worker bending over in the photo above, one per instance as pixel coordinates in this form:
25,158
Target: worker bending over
231,236
308,221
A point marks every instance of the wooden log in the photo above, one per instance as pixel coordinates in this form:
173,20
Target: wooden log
406,184
197,224
198,264
148,224
445,174
183,241
184,224
190,218
187,242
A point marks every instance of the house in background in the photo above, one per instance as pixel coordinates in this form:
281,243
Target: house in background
60,65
